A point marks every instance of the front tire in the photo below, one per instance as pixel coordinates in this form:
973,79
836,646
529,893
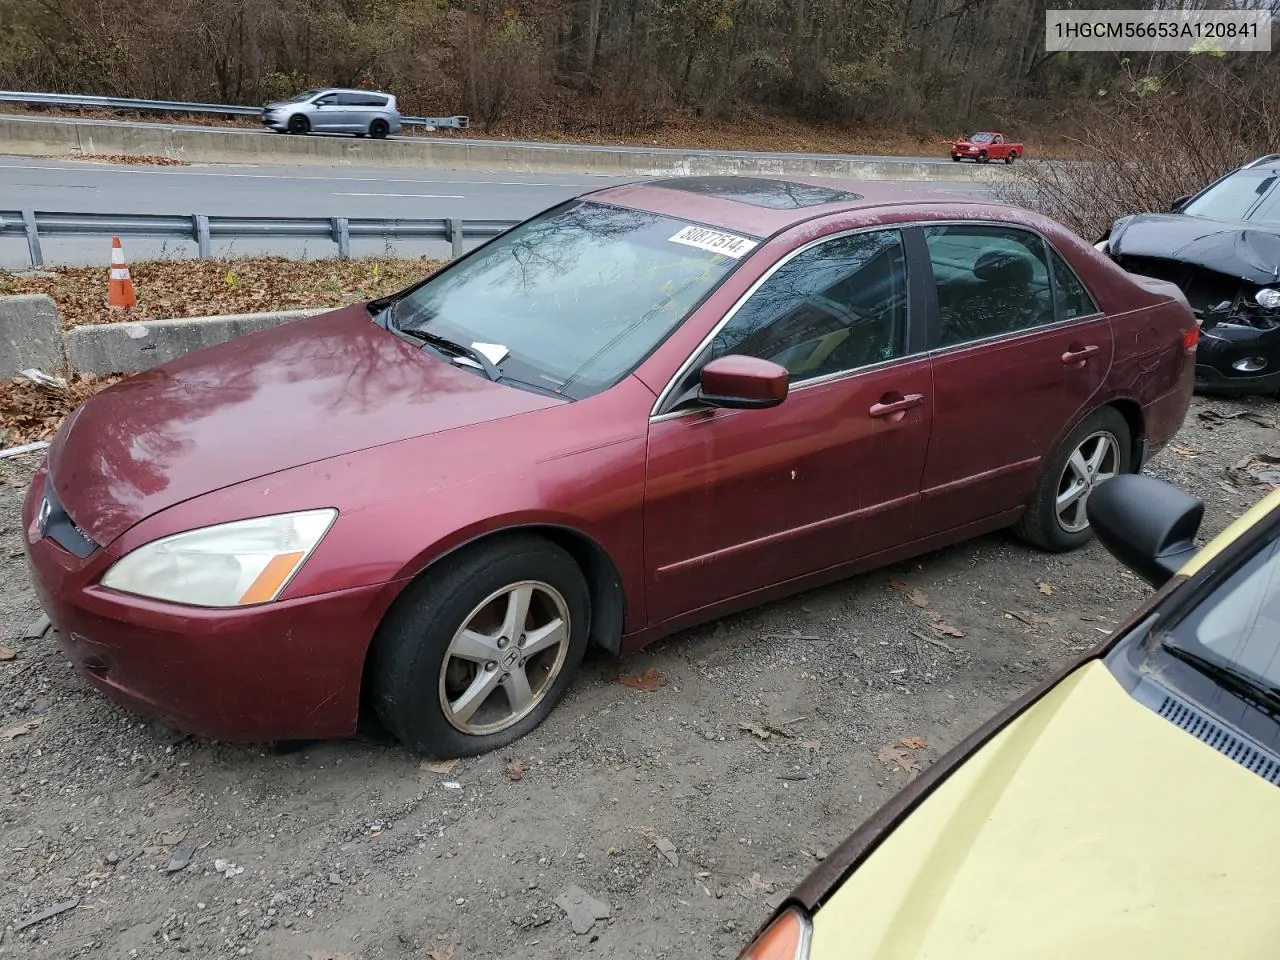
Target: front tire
983,158
476,654
299,125
1100,447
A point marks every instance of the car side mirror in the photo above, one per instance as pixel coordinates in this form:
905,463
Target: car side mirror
743,383
1178,204
1148,525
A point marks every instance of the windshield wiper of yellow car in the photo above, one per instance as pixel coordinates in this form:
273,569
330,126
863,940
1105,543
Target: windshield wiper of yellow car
1266,697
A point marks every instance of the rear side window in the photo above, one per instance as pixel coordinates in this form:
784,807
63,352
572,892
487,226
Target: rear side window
362,100
1072,299
991,280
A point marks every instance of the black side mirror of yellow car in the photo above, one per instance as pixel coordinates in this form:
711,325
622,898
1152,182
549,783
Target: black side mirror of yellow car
1148,525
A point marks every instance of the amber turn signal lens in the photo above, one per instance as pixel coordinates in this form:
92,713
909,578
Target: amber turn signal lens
787,938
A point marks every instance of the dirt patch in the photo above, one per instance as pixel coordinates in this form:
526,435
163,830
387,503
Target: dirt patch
140,160
200,288
685,804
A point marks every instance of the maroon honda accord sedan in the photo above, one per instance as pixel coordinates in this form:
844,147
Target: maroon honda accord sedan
639,410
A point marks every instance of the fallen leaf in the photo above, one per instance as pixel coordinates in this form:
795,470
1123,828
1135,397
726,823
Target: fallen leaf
915,743
1044,588
755,730
941,625
170,837
514,769
649,681
896,585
440,953
21,729
810,744
892,756
918,597
7,653
328,955
442,767
1184,452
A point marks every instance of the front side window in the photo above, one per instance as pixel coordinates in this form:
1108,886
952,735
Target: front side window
574,299
836,306
991,280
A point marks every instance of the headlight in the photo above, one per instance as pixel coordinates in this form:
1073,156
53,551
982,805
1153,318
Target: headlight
1268,297
230,565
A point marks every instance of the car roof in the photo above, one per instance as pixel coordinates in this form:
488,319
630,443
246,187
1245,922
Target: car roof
763,206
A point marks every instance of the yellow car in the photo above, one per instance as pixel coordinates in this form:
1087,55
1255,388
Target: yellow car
1126,809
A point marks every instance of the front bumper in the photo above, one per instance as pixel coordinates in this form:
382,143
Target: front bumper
273,121
1225,344
281,671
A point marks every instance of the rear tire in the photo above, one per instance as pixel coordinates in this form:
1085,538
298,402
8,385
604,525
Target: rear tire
1013,155
299,125
1052,519
379,129
436,684
983,158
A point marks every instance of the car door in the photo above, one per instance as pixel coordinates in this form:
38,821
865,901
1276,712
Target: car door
1016,361
328,114
739,500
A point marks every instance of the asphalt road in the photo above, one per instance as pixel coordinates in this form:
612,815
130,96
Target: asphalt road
246,190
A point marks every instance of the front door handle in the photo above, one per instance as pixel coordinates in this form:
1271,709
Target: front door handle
1079,356
890,408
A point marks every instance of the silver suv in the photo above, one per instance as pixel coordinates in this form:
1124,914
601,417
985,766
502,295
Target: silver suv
335,111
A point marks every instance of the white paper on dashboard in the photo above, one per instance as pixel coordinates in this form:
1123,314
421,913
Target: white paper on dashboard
728,244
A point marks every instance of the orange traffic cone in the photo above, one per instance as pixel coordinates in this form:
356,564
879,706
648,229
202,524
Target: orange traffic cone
120,291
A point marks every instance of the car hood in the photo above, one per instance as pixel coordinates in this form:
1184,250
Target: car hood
1247,251
1088,827
325,386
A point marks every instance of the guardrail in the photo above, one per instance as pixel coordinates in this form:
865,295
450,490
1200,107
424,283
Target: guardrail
86,102
36,224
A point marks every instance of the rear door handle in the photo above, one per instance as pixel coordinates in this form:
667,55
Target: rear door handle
896,406
1079,356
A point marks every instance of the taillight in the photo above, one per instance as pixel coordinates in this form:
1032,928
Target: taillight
787,938
1190,339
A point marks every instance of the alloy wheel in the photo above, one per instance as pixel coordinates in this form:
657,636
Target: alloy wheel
505,657
1095,459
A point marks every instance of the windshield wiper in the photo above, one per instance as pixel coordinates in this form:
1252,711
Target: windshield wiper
454,350
1265,696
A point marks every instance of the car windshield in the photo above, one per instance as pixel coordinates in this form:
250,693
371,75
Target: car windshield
1238,625
573,299
1250,196
304,95
981,138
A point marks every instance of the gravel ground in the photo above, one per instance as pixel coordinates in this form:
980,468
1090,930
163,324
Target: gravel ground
356,850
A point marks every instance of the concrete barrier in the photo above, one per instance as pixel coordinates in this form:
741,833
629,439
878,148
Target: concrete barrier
71,137
131,347
30,335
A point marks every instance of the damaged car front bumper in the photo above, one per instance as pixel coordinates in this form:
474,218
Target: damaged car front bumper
1231,278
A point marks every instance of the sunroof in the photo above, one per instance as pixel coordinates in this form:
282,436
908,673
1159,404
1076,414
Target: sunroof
760,192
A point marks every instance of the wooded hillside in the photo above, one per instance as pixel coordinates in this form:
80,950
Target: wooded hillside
596,67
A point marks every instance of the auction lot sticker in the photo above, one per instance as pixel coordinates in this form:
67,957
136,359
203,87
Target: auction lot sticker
728,244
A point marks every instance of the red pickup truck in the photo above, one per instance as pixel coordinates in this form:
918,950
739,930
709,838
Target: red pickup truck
985,147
